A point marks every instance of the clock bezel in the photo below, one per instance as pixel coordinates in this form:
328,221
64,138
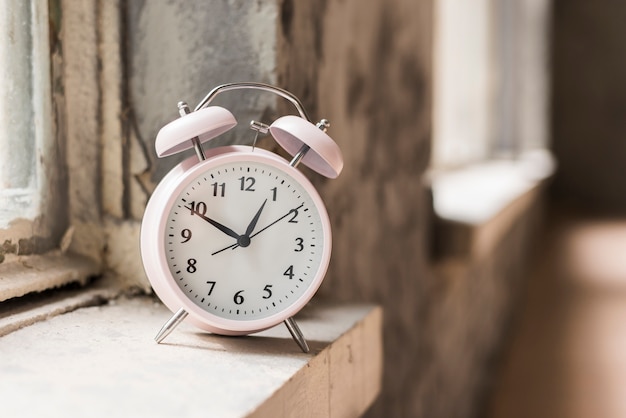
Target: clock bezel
153,243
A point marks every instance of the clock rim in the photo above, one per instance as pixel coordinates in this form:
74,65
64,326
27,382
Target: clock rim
153,245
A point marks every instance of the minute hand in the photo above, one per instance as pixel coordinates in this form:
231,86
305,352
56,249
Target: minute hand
277,220
216,224
236,245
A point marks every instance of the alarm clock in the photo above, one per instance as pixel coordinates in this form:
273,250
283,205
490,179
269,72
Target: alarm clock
236,239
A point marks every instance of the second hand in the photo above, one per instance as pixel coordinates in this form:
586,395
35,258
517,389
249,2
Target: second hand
233,246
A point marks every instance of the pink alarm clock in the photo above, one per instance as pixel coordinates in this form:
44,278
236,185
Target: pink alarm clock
236,239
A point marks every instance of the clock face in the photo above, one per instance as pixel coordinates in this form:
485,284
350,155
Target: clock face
244,240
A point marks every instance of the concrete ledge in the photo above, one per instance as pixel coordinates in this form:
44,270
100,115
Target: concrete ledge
21,275
474,206
102,361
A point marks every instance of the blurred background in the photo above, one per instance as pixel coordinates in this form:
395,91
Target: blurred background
481,200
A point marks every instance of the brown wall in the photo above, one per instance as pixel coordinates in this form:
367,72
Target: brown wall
370,71
374,80
589,103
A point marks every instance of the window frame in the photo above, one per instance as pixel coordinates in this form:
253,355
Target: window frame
504,161
28,224
491,81
65,241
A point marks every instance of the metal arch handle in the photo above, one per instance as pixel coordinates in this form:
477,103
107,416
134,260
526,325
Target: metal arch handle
254,86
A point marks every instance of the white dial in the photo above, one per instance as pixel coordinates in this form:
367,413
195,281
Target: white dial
245,240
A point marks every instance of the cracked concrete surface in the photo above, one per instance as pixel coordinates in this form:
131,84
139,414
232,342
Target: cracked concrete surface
102,361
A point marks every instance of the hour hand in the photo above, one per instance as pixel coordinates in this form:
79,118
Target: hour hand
255,219
216,224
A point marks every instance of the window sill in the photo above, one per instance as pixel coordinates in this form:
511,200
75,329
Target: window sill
35,277
473,207
102,361
21,275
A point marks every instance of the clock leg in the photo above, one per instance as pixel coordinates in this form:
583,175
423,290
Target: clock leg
169,326
296,334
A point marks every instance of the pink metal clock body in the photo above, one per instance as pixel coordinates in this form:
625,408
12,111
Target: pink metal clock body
154,235
238,240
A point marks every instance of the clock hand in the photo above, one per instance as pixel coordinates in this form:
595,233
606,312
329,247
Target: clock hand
255,220
226,248
244,240
237,244
216,224
277,220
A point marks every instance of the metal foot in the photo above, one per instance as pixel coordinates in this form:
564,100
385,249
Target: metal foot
296,334
169,326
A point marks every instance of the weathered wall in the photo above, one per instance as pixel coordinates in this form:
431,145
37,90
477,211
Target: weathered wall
371,77
180,50
473,304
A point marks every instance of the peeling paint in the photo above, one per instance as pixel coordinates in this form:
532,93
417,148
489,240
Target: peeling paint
122,254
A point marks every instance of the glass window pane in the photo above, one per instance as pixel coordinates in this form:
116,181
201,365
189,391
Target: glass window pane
17,133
